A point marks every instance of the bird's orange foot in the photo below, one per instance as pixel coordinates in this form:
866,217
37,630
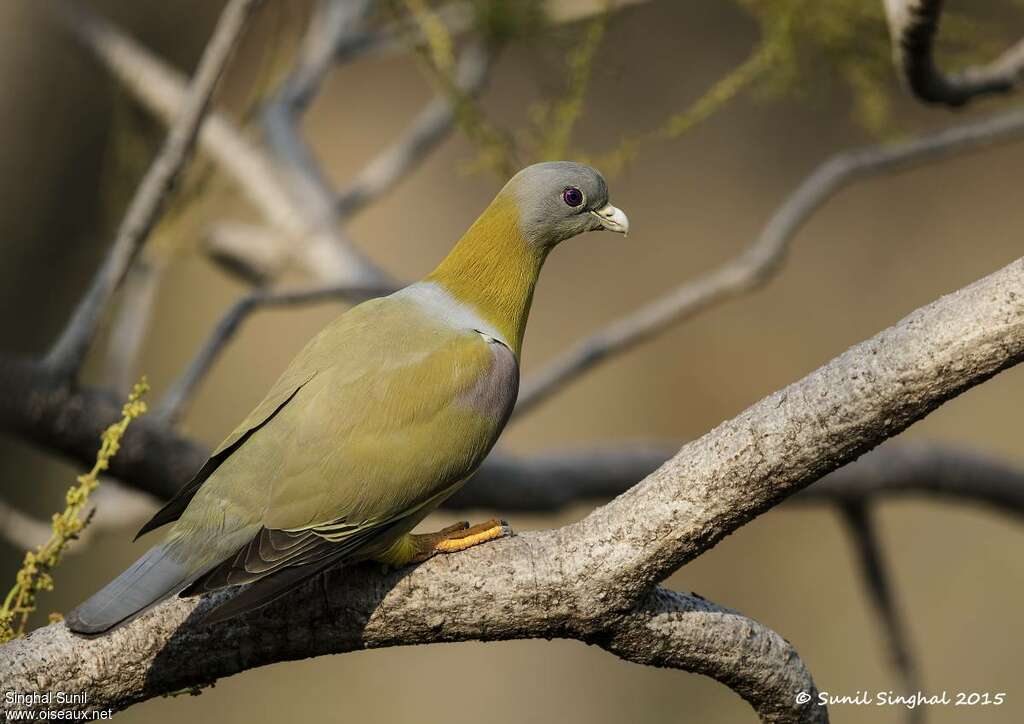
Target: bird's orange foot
459,537
418,547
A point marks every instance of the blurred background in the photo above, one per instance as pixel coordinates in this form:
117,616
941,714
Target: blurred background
75,145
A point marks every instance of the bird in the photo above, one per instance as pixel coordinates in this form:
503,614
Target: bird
383,415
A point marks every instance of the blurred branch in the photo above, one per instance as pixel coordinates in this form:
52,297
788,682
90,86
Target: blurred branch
114,505
555,140
155,458
131,322
57,415
69,351
255,254
497,146
334,24
722,91
331,24
459,18
913,26
321,249
550,482
22,530
431,126
594,579
173,403
759,263
861,526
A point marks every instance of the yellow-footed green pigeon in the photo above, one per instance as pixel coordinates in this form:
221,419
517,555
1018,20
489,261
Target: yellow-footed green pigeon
382,415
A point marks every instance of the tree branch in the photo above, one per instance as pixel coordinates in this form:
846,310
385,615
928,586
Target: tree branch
861,526
68,353
331,24
155,458
585,579
913,26
131,322
322,250
61,417
677,631
114,505
761,260
434,123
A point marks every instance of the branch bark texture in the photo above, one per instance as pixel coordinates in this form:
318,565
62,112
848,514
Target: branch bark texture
590,580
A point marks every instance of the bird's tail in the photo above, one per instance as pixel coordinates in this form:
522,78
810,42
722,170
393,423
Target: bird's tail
151,579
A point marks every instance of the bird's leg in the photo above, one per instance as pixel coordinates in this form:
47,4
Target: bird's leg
462,535
418,547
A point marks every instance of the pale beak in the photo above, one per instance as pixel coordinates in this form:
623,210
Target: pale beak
612,219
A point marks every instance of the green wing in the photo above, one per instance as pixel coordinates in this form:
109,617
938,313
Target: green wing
300,371
398,411
280,395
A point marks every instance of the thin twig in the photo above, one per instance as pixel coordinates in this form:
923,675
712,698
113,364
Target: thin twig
131,323
431,126
914,25
764,257
68,353
331,25
320,248
254,253
860,523
459,18
172,406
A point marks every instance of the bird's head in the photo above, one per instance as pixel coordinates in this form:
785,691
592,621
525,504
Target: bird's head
560,199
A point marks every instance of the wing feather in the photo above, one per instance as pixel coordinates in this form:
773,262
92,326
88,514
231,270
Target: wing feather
283,393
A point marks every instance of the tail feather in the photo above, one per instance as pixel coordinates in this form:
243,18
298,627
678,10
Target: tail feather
265,590
151,579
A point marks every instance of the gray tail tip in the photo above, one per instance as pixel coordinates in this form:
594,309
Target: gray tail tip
76,624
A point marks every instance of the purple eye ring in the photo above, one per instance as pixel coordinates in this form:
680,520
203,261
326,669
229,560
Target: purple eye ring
572,196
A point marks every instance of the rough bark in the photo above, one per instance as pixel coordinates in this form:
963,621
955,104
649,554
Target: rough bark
589,580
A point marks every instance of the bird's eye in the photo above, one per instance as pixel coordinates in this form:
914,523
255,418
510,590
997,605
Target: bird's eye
572,196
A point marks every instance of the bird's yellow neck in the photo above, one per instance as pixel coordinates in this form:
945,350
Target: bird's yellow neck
494,269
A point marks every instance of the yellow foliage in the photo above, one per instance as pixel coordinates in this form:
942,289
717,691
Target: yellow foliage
35,574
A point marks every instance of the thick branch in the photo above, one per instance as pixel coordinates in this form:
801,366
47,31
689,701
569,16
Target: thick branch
793,437
68,353
581,580
759,263
60,417
667,629
690,633
914,26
